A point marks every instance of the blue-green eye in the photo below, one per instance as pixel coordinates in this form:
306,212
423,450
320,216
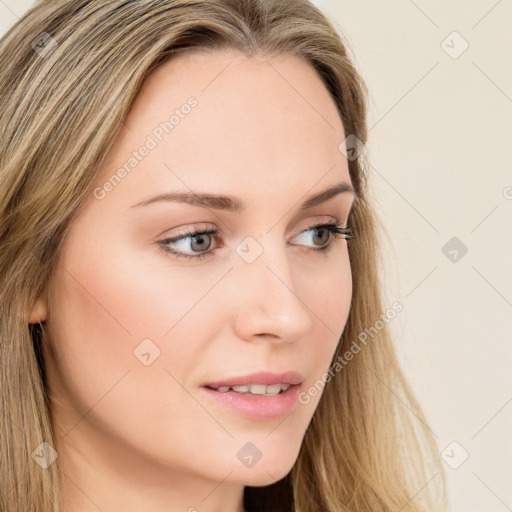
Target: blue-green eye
201,240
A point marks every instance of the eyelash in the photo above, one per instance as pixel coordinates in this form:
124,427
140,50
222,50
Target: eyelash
333,227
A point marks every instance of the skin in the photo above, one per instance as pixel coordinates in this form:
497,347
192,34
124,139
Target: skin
135,437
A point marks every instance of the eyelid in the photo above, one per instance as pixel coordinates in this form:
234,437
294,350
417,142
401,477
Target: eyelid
219,232
315,223
190,231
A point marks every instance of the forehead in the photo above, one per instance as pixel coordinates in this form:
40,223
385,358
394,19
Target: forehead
256,122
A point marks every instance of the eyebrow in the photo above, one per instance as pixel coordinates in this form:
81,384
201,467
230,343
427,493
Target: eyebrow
233,204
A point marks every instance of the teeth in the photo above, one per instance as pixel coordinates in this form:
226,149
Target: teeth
256,389
275,388
241,389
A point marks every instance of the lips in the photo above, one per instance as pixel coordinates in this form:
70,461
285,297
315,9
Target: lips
258,396
290,378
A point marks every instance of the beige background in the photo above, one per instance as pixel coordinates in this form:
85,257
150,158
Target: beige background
440,137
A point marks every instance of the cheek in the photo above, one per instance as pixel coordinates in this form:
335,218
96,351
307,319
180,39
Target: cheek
334,293
109,317
101,312
329,296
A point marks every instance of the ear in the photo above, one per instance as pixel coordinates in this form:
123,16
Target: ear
39,310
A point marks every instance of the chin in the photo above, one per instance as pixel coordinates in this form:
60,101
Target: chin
267,469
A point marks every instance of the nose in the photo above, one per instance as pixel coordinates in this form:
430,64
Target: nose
267,301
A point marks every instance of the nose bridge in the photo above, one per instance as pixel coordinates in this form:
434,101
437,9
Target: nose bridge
268,301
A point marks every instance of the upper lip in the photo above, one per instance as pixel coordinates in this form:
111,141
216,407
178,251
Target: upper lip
267,378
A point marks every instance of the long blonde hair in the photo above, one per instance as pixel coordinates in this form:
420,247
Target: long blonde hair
69,73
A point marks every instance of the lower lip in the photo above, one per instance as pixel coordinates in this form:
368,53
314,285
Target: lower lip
260,407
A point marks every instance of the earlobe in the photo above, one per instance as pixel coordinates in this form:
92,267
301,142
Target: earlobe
39,310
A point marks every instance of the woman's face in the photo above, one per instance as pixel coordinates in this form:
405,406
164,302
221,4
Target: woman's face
136,332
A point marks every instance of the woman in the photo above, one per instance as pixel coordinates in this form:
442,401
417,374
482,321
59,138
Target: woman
174,336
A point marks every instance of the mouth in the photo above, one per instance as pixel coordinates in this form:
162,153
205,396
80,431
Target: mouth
254,389
258,396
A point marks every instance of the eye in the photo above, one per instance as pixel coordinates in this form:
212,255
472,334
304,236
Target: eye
196,239
321,232
199,241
